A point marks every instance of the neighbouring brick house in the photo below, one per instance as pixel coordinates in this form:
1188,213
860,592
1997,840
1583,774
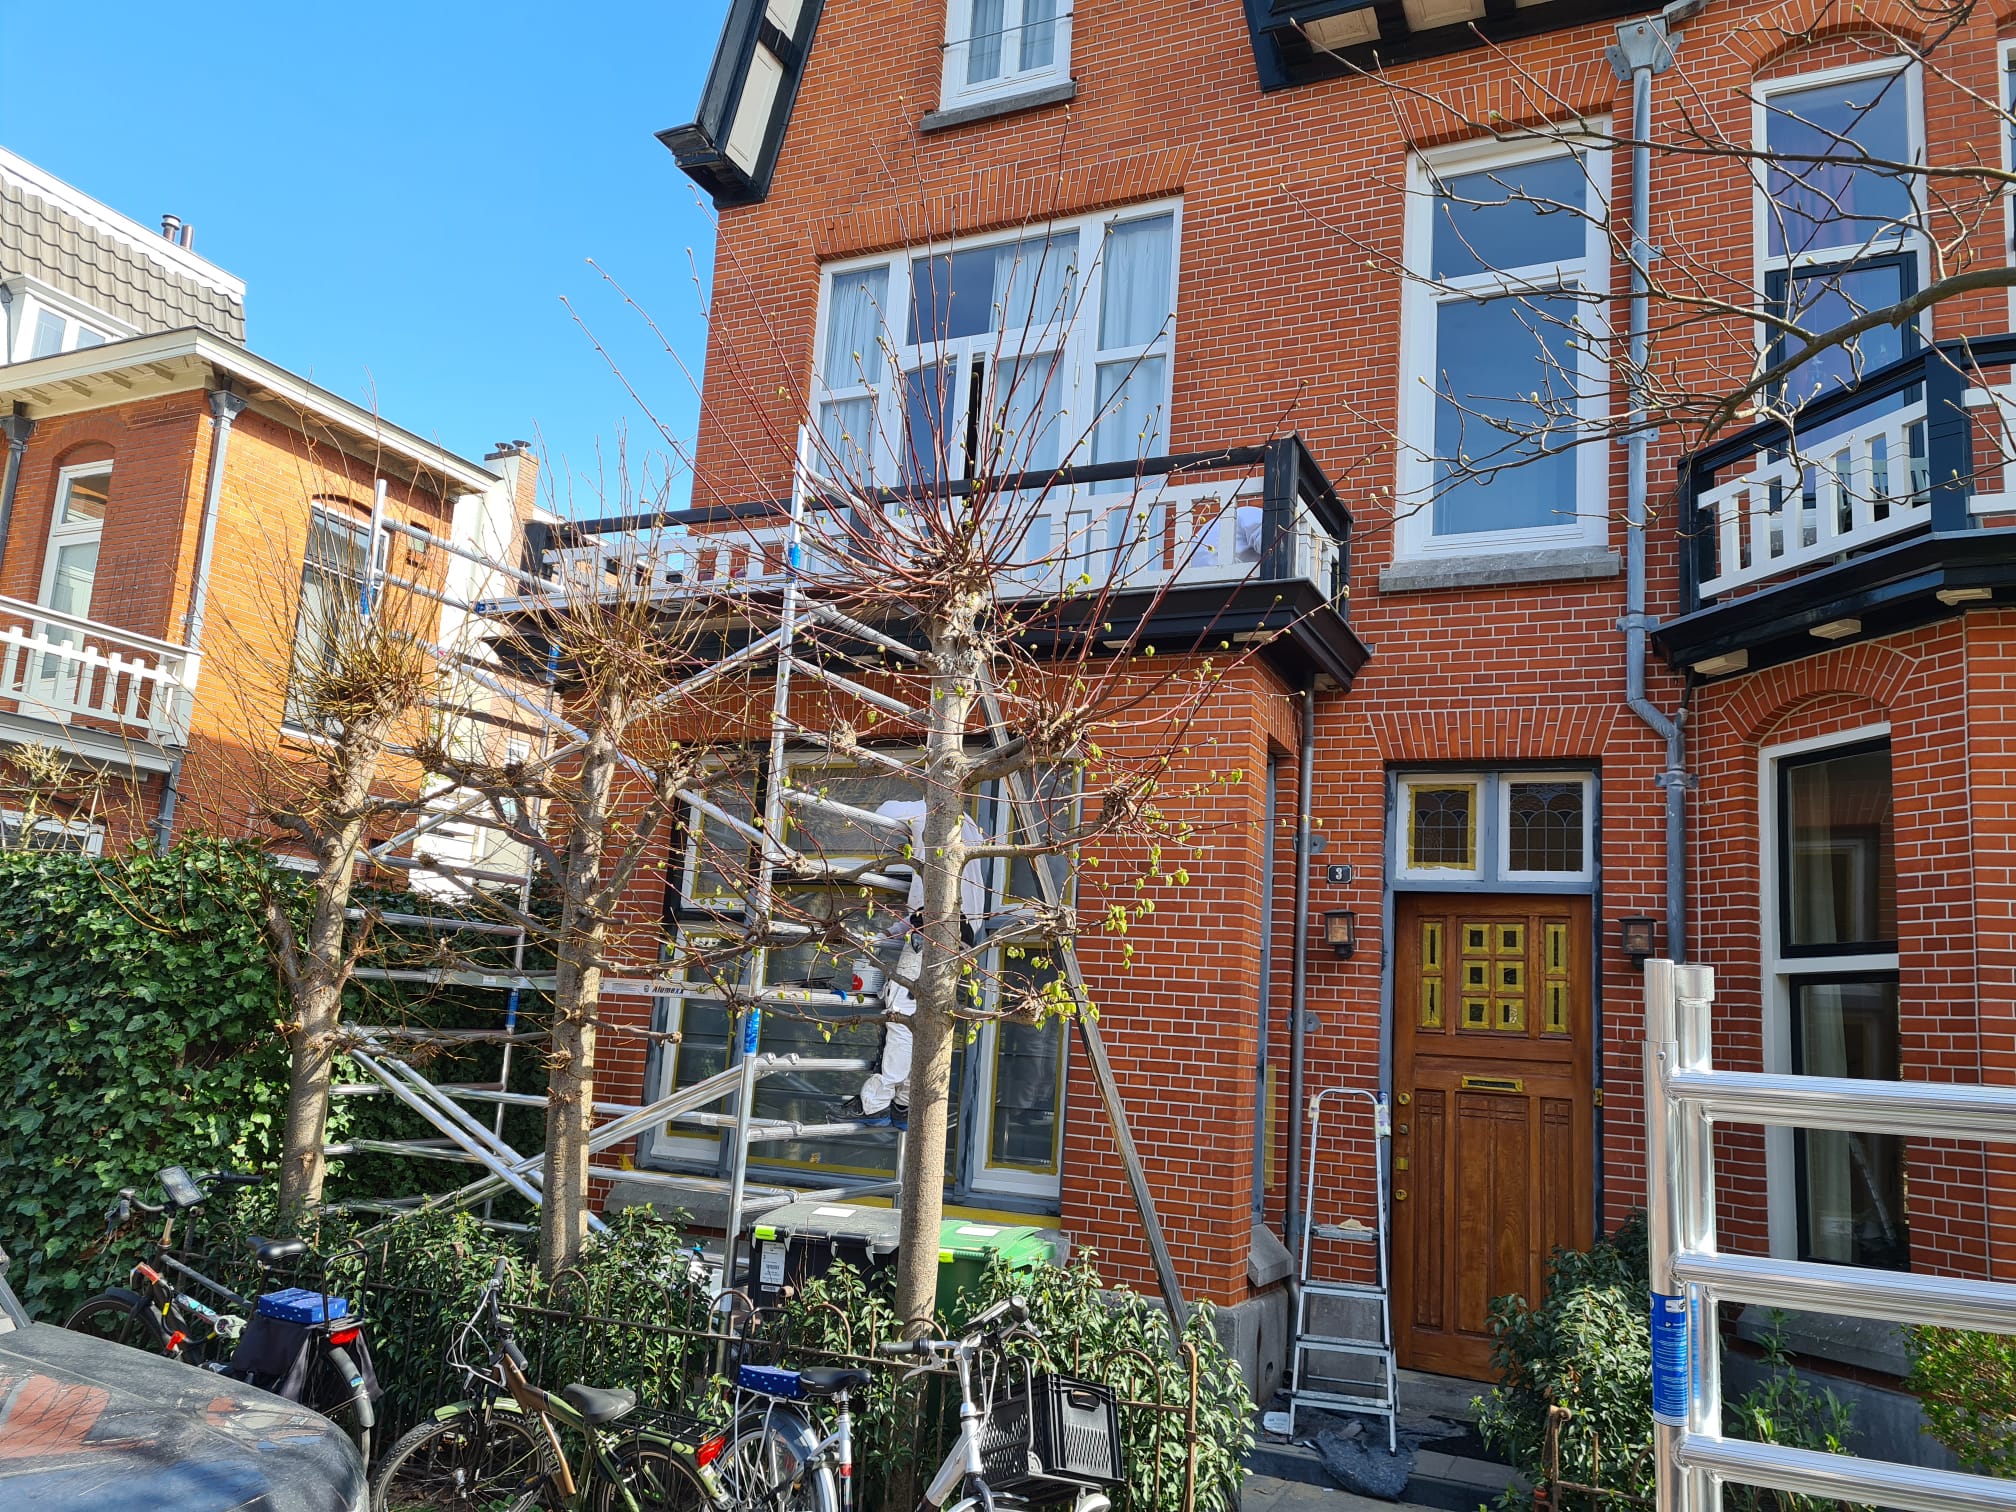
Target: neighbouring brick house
172,510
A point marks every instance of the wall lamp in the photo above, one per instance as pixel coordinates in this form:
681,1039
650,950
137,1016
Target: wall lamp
1635,937
1340,932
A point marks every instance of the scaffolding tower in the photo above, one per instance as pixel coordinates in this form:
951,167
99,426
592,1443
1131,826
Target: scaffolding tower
806,641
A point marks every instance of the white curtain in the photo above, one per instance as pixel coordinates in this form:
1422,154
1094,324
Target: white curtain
983,52
1135,305
1131,410
1039,34
1026,398
854,317
846,431
1830,1174
1033,283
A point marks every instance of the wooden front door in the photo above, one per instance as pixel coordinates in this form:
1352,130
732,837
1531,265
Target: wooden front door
1493,1123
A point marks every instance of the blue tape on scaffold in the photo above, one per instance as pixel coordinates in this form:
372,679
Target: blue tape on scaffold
797,556
1669,1360
750,1030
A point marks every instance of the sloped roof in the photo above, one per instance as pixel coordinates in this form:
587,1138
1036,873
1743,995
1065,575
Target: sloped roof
51,232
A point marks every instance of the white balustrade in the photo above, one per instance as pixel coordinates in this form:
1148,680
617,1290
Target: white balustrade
60,667
1082,539
1818,498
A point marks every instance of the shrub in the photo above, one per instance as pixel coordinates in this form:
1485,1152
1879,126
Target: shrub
1587,1348
1786,1408
1966,1383
140,1008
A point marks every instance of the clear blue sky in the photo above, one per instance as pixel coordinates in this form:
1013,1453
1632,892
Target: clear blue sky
408,190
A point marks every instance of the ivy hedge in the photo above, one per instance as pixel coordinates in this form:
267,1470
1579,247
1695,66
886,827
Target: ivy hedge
138,1025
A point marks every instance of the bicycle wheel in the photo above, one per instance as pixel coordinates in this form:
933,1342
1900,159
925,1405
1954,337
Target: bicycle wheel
659,1479
475,1461
115,1318
768,1466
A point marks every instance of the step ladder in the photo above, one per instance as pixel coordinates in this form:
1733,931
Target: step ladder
1343,1355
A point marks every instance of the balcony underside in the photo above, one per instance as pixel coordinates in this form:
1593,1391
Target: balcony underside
80,743
1894,588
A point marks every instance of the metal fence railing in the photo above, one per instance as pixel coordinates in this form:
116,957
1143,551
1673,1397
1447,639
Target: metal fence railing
1686,1098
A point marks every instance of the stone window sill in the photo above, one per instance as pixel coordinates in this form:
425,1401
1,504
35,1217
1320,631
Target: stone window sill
987,110
1500,569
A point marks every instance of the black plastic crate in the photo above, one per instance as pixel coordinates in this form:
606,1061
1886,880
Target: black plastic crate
1052,1437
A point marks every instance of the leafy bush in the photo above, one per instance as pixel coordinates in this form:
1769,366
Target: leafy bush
1117,1338
140,1009
1587,1348
1966,1383
1786,1408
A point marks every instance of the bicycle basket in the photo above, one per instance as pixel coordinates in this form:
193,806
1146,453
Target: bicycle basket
1051,1437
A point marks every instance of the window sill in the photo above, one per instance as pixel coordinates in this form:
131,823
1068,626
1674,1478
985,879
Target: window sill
1500,569
987,110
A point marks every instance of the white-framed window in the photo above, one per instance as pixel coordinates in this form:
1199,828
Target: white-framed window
1516,827
2007,55
332,586
18,832
1829,914
1501,351
1009,1078
47,332
1837,233
1015,352
997,49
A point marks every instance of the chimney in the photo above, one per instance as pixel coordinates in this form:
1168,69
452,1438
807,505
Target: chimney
171,226
189,236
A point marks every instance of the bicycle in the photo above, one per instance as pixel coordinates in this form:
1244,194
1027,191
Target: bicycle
322,1366
155,1311
777,1460
499,1450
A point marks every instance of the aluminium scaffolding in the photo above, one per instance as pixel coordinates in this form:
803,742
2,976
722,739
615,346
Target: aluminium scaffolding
808,636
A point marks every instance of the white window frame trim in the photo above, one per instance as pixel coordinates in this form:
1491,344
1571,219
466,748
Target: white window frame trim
378,554
1912,241
33,297
1503,813
1415,537
2005,96
1079,353
1776,971
953,90
50,824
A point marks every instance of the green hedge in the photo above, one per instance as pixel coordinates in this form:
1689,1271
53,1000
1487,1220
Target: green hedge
138,1014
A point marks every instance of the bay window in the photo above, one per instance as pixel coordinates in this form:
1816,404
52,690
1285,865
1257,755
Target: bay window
1502,366
1015,353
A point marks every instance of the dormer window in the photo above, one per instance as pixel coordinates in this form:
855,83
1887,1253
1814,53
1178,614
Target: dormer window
998,49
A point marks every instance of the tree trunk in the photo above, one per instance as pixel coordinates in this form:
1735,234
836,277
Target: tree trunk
322,971
954,681
570,1076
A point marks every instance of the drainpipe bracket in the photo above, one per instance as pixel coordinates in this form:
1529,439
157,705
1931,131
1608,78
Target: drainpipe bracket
1638,620
1641,43
1687,782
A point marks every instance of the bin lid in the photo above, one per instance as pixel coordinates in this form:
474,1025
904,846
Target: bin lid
1023,1243
874,1227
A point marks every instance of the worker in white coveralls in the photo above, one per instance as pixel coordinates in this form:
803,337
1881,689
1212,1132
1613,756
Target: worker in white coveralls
884,1100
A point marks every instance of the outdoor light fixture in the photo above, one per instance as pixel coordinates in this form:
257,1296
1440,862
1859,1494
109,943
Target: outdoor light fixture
1340,932
1635,938
731,148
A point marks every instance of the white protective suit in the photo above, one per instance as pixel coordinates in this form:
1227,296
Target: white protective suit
890,1081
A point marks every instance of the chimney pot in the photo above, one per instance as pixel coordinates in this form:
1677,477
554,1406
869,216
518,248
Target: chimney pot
171,225
189,235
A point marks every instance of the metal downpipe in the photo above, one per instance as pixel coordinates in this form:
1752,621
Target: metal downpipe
224,408
1645,50
17,428
1305,775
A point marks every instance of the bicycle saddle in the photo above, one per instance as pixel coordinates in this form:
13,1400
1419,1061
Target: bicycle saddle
273,1251
831,1380
597,1406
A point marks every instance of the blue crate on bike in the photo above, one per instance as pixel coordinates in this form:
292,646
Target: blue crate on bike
771,1380
297,1304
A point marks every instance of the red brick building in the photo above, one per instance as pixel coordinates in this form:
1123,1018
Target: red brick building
173,511
1237,209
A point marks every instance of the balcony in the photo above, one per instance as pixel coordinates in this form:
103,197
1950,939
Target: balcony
1241,545
90,688
1871,510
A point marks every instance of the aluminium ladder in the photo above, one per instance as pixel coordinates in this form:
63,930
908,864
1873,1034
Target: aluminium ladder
1349,1321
